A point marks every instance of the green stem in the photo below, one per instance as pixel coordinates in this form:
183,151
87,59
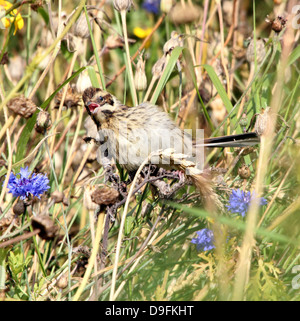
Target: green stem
95,50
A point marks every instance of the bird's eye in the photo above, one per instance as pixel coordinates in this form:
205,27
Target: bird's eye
100,99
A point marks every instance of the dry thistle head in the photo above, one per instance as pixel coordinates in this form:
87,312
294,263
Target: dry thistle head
183,13
43,122
46,226
263,122
19,208
140,79
176,40
278,23
22,106
260,50
62,282
113,42
158,67
244,172
81,28
16,67
72,98
123,5
105,195
87,200
83,82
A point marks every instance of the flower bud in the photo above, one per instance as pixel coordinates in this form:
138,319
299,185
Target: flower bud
22,106
166,5
263,122
16,68
62,282
105,195
244,172
83,82
19,208
176,40
140,79
184,13
244,120
121,5
43,122
260,50
81,28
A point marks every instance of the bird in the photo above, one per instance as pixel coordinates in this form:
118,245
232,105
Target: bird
128,135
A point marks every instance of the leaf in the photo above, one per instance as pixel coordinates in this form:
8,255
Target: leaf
93,77
219,87
167,73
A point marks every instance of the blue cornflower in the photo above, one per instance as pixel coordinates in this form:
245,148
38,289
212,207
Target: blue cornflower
204,240
239,201
152,6
25,186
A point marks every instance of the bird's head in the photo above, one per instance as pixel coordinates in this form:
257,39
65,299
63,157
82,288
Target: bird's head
97,100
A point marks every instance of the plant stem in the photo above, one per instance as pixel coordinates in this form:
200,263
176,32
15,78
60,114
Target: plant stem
128,60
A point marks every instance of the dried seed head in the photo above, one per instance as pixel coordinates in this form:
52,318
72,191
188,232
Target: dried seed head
184,13
81,28
83,82
158,67
19,208
105,195
87,200
176,40
140,79
260,50
166,5
263,122
114,41
57,196
62,282
72,98
43,122
16,68
244,172
46,226
22,106
123,5
278,23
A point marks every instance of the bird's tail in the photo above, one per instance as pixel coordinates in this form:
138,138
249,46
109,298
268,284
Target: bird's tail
240,140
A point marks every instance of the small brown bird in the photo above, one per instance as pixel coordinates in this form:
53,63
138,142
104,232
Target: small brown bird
129,134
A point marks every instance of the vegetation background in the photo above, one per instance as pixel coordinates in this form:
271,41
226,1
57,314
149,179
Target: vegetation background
226,63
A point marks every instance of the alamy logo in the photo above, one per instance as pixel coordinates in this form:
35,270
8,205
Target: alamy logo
296,279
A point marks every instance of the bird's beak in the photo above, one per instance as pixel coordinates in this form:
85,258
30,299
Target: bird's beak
91,106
